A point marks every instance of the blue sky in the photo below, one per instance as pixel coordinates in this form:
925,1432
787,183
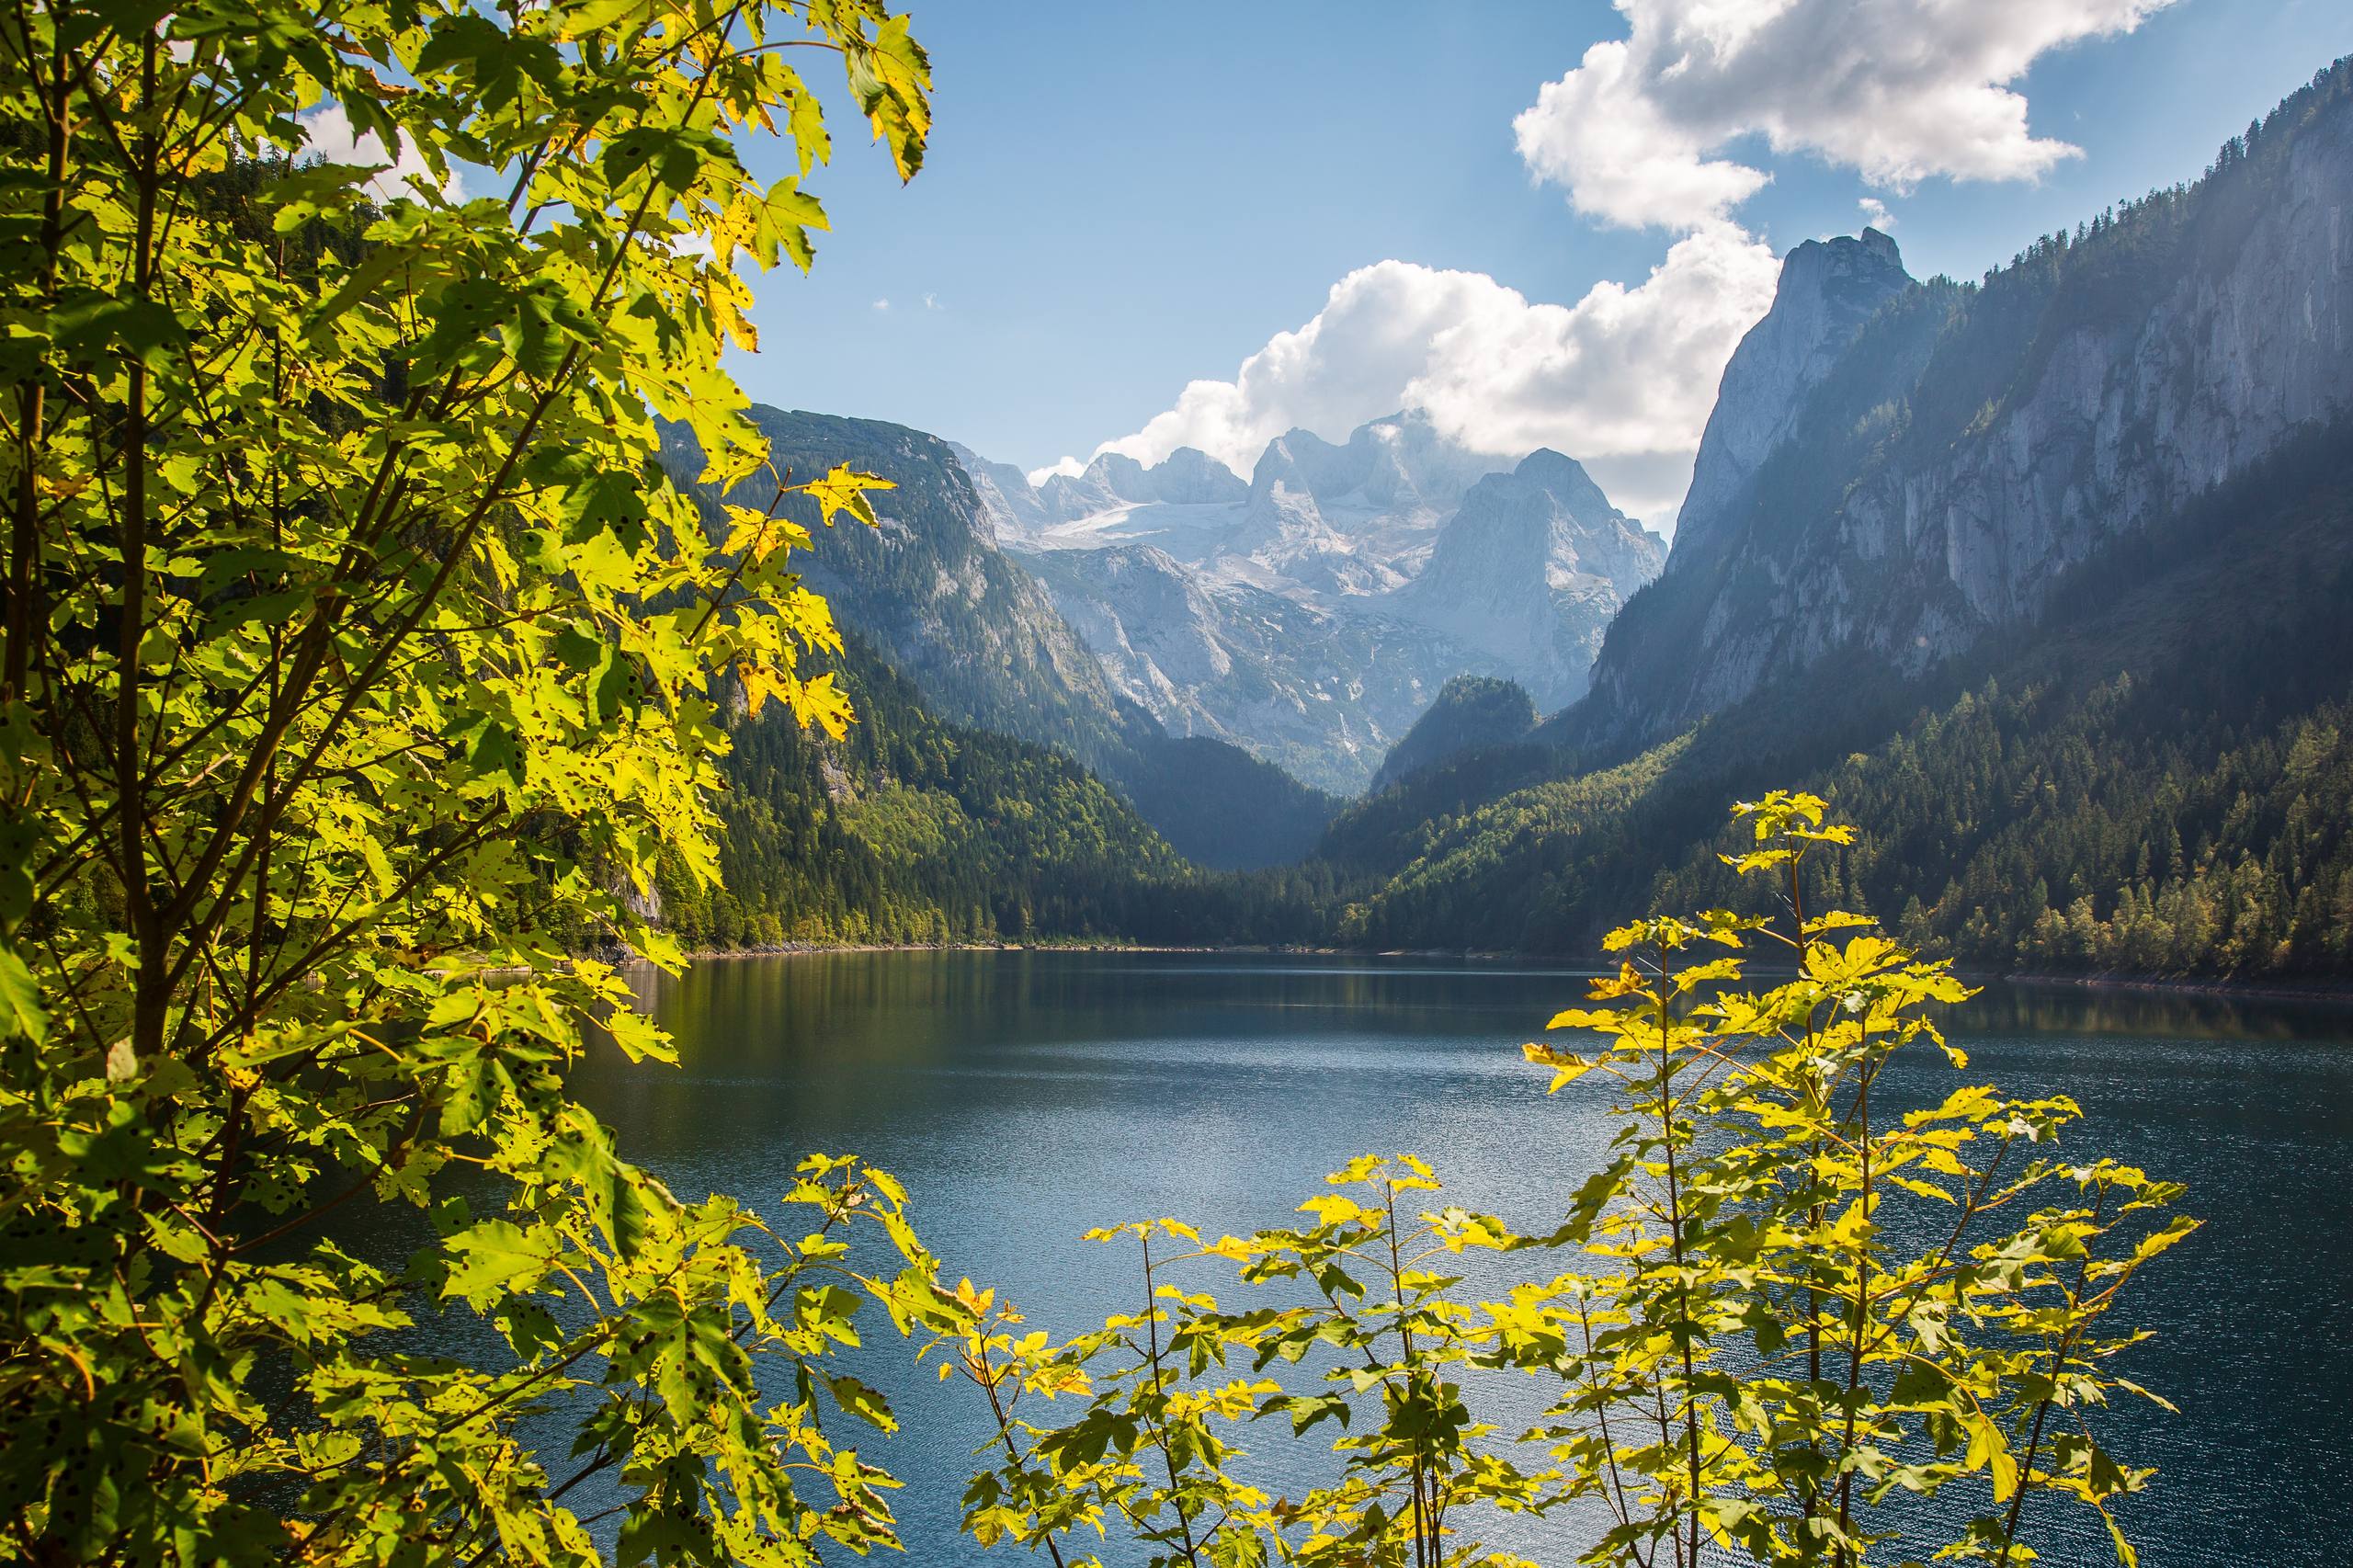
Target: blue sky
1122,197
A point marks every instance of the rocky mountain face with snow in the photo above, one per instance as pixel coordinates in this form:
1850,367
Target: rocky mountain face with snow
1187,477
1312,613
1319,691
1902,472
956,616
1530,570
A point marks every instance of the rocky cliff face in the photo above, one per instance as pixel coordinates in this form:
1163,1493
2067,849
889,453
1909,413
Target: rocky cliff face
1321,692
1969,447
1828,290
1310,614
1530,571
1014,510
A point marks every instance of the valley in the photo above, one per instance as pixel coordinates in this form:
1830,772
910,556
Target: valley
2046,570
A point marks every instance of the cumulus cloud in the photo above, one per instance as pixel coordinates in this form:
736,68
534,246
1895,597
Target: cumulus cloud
327,136
1622,379
1898,90
1644,134
1069,468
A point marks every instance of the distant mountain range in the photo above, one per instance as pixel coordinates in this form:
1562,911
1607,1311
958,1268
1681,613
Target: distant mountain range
1307,617
1310,614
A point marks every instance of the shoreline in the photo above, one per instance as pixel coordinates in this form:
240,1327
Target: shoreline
2328,990
2337,991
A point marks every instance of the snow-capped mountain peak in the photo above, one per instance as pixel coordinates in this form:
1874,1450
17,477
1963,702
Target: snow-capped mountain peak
1390,561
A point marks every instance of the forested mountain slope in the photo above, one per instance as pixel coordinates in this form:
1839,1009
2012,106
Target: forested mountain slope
913,830
975,633
1471,713
2163,783
1972,446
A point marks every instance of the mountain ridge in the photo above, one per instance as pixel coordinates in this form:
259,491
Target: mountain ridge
2040,579
967,626
2001,433
1293,621
2111,733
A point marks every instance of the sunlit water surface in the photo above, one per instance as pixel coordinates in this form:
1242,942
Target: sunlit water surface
1028,1097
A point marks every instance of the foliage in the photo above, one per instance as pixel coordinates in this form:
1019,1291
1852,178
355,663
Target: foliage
1373,1294
359,660
1805,1323
1809,1373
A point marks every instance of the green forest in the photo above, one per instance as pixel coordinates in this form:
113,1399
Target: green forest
910,830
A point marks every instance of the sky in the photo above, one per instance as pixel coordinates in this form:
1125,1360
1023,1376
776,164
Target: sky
1141,226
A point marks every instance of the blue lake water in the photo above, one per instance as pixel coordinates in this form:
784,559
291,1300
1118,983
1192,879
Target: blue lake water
1025,1096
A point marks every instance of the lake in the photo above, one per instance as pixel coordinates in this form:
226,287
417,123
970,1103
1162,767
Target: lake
1025,1097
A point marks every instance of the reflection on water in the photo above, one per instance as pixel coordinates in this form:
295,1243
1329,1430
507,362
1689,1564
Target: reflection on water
2065,1008
1025,1096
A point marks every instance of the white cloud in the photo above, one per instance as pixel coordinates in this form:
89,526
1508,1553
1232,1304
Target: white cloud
881,304
1069,468
1638,134
327,135
931,302
1598,131
1899,90
1622,379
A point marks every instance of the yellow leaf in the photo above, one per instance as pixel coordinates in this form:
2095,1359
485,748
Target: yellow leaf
844,490
821,702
